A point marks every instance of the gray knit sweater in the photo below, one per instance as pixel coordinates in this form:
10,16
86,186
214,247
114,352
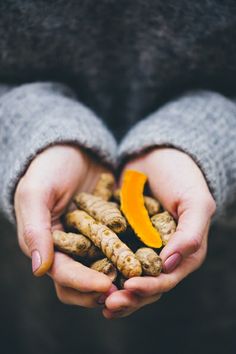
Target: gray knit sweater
141,73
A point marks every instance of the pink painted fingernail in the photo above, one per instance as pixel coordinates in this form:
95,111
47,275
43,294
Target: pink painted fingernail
36,260
103,297
172,262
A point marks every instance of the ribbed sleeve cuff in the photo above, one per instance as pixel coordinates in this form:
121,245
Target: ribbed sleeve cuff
202,124
36,116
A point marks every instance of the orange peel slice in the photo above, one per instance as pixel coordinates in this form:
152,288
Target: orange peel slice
132,206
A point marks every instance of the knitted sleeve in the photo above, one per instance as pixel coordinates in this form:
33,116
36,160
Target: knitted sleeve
34,116
202,124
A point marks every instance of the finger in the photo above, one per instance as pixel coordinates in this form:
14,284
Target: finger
110,315
34,229
186,240
70,296
127,300
71,274
123,303
149,286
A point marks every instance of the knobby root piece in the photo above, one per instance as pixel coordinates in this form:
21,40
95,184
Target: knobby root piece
104,187
106,267
151,204
101,210
75,244
116,195
150,261
115,205
165,224
110,244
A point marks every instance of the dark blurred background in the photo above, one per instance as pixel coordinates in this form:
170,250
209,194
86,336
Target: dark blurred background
199,316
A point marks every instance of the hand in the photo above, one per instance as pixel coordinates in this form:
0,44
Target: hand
177,182
42,196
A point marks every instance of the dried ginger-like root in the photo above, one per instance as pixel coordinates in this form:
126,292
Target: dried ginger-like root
106,267
150,261
110,244
152,205
116,195
75,244
101,210
104,187
165,224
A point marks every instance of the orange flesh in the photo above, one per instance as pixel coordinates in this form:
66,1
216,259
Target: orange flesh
132,205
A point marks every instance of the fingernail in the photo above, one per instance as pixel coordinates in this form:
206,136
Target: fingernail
36,260
103,297
172,262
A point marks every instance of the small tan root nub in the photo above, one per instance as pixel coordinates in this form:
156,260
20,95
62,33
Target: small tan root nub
150,261
110,244
75,244
165,224
104,187
101,210
106,267
151,204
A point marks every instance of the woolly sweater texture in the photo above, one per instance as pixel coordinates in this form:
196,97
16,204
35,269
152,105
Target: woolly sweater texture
117,77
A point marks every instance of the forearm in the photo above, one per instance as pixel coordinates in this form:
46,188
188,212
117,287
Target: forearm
35,116
202,124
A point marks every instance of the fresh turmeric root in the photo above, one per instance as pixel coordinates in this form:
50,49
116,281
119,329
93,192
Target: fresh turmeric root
75,244
151,264
99,221
165,224
150,261
152,205
104,187
106,267
104,238
105,212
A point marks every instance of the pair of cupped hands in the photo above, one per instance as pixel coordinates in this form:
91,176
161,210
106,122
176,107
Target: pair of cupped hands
45,192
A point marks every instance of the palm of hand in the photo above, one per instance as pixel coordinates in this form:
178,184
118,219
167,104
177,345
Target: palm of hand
184,193
46,190
41,197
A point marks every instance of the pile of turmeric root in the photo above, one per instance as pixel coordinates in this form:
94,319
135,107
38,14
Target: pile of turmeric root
117,232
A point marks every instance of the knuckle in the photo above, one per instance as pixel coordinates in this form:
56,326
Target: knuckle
22,245
91,304
57,273
73,282
194,243
134,302
27,188
29,236
21,189
210,206
168,285
61,295
200,260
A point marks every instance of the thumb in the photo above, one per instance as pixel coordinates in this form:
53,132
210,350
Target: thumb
188,238
34,230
